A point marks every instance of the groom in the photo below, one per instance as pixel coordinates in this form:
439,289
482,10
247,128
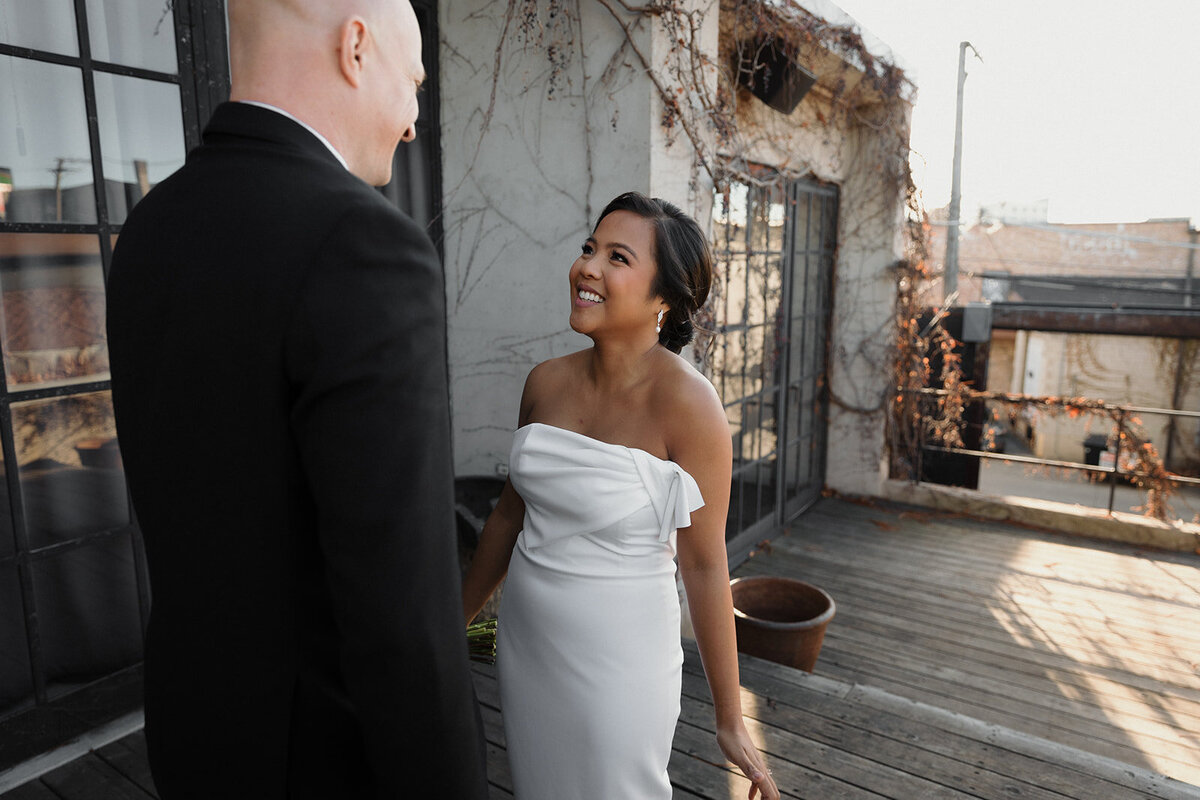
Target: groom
277,336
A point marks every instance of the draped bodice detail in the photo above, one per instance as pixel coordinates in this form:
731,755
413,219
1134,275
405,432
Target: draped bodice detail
573,484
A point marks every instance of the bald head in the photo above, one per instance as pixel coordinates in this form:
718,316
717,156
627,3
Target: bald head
247,15
348,68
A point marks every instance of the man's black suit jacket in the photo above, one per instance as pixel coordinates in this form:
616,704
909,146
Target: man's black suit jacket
277,338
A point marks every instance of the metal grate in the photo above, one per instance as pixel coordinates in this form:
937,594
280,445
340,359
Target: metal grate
774,248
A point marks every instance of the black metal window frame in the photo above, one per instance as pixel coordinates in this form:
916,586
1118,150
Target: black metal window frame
812,255
805,260
203,81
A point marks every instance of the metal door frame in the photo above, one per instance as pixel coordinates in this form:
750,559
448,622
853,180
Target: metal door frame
804,256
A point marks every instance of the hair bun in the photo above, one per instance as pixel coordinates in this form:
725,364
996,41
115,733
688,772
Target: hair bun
677,331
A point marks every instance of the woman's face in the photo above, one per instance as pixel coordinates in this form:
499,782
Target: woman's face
611,279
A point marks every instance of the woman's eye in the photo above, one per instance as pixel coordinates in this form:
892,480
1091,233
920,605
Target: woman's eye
587,249
618,257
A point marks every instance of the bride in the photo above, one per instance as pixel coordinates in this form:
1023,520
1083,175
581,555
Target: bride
621,462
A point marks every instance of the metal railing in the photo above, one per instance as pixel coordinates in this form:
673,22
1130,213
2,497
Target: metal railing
1119,413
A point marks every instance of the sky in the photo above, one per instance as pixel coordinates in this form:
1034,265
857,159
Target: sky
1092,105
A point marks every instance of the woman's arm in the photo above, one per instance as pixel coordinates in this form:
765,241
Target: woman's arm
700,443
503,525
496,542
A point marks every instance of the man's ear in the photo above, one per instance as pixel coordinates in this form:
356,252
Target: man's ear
353,43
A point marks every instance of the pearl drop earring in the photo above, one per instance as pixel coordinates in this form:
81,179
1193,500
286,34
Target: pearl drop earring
658,326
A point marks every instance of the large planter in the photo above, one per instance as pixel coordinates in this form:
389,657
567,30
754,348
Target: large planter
780,619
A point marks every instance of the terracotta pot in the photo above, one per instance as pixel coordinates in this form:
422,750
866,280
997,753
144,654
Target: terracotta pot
780,619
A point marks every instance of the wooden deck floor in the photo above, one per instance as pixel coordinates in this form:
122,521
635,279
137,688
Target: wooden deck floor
967,660
1091,645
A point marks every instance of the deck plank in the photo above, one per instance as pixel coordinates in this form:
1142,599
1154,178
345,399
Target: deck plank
33,790
127,756
90,778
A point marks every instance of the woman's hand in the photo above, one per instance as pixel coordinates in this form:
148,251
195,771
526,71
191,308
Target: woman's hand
736,745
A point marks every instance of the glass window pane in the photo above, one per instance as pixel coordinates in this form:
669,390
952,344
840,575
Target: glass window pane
759,494
752,342
792,395
45,157
791,482
8,543
733,299
41,24
70,465
136,33
89,622
795,347
775,217
52,314
757,289
829,224
802,211
757,219
141,137
734,415
733,520
16,682
808,409
806,460
814,344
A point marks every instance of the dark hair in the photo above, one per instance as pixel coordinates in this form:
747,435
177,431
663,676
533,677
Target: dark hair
684,263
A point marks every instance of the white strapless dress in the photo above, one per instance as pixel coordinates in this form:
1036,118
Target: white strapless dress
588,647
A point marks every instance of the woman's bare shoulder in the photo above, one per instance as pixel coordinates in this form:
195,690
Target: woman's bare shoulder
557,369
690,406
548,379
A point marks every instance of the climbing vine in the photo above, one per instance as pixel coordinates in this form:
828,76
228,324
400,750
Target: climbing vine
705,103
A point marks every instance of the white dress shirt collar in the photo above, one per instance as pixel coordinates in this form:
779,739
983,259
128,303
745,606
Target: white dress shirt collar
303,124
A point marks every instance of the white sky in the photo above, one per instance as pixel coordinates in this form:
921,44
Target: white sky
1091,104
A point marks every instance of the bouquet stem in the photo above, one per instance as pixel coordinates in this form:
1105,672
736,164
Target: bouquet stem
481,641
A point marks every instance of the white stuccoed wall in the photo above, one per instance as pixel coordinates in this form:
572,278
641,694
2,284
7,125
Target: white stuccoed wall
519,199
862,331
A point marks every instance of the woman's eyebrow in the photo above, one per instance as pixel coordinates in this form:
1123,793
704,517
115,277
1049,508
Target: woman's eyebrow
626,247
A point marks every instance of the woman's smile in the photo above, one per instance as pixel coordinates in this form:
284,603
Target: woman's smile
586,296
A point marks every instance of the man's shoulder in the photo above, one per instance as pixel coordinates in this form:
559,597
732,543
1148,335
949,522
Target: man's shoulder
364,216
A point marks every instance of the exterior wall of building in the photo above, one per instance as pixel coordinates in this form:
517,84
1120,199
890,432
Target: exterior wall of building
862,330
1131,370
567,132
1001,363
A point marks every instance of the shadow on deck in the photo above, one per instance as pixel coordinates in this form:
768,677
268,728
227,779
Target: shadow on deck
967,659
